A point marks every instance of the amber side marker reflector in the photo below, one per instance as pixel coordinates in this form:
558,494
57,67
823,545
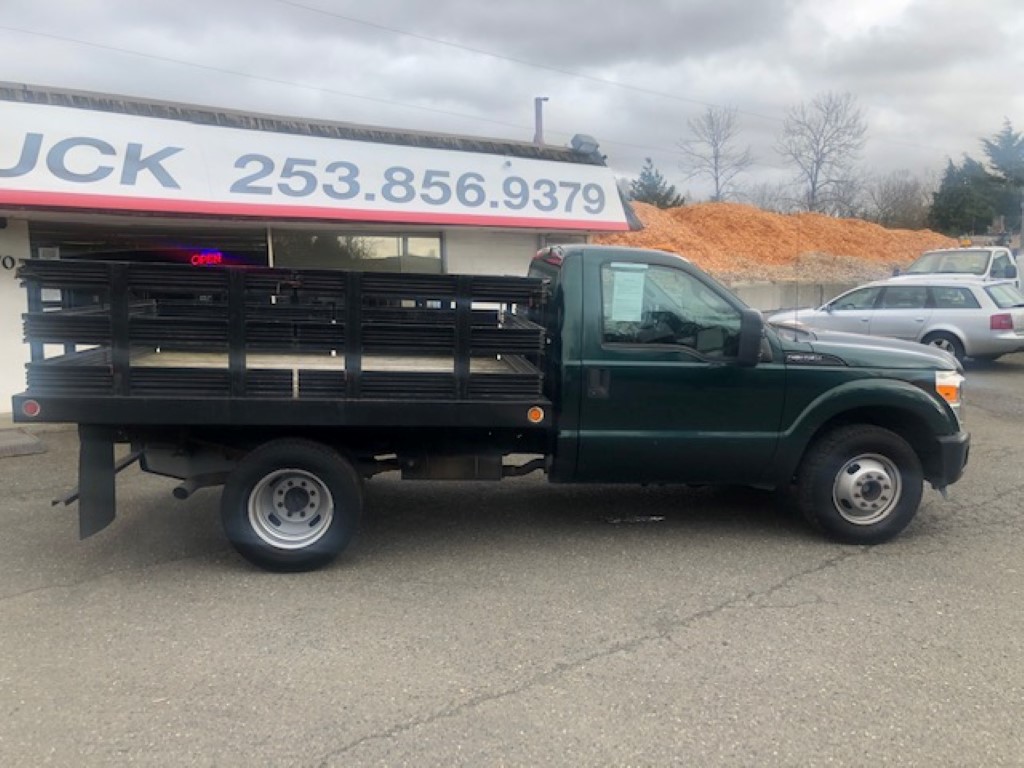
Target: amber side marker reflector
947,385
535,415
30,408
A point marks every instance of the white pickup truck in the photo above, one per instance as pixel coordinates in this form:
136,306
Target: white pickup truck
988,262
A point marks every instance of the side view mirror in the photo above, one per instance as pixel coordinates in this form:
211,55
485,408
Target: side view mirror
751,333
829,308
896,271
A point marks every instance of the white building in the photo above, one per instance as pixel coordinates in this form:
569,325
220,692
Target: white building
87,175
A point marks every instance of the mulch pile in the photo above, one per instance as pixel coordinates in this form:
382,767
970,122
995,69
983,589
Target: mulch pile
738,242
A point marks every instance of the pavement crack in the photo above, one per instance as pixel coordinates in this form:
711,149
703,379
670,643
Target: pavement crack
662,632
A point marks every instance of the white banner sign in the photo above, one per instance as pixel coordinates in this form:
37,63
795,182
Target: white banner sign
66,157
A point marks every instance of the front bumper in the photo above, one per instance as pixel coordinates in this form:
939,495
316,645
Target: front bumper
953,452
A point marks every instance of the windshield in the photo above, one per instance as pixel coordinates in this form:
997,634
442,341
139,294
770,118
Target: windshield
948,262
1005,296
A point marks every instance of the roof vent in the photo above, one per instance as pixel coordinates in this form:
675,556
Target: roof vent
584,144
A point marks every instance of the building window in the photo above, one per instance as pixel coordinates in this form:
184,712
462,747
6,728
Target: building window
330,249
196,244
562,238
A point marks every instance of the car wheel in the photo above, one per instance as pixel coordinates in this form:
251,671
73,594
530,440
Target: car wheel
860,484
946,342
291,505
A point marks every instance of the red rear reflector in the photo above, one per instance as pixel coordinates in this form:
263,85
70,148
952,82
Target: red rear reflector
30,408
551,256
1001,322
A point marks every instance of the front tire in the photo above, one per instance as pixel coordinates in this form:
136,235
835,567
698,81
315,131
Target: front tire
860,484
291,505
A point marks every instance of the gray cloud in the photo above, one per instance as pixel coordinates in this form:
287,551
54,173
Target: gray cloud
931,75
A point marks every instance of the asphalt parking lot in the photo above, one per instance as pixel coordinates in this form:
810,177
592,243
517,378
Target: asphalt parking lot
521,624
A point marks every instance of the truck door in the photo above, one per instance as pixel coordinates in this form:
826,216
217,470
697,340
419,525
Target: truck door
663,399
1004,268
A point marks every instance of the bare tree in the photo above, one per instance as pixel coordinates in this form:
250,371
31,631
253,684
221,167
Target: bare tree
898,199
847,198
711,150
777,198
823,141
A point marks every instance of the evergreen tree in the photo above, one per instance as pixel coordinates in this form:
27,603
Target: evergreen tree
965,200
1005,152
651,187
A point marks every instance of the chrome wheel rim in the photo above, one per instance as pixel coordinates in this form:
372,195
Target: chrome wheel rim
290,508
945,345
867,489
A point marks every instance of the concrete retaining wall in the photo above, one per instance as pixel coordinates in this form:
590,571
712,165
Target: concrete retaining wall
773,297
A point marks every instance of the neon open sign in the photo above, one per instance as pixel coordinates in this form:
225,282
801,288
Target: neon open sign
206,258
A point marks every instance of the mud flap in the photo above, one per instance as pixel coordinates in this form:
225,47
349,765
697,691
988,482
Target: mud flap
96,500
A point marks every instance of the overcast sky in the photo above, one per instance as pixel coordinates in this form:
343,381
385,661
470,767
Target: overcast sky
931,76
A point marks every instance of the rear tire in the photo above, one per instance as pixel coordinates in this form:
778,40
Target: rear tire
946,342
860,484
291,505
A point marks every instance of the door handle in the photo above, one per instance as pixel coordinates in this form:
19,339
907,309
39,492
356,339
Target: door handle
598,383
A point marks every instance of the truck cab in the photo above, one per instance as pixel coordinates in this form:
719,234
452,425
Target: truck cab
988,263
662,375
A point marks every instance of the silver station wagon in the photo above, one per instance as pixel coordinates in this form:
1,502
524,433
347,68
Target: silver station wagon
966,317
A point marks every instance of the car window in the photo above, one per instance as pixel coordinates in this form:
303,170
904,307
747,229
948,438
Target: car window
862,298
927,262
1005,296
649,304
947,297
1002,267
905,297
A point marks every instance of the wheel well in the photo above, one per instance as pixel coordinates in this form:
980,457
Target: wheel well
911,428
942,332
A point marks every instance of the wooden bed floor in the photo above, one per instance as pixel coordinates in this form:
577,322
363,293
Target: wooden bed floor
323,362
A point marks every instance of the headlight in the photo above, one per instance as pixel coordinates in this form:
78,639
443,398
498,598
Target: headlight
948,386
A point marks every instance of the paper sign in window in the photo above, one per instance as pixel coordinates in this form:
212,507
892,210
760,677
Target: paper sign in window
627,296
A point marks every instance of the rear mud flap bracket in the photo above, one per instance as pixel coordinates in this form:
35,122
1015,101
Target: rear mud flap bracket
96,470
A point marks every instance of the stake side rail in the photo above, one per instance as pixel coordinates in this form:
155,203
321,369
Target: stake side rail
225,343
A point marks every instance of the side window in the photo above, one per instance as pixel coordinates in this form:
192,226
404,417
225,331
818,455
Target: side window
862,298
649,304
905,297
954,298
1002,267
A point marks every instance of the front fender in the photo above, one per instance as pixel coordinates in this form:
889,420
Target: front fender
875,401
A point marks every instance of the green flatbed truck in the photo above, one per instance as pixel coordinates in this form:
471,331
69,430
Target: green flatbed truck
292,388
